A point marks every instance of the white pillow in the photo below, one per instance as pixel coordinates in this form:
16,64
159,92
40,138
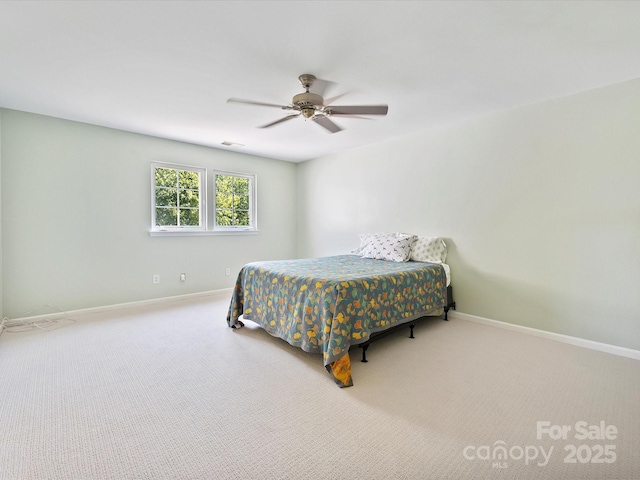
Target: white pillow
429,249
365,239
395,247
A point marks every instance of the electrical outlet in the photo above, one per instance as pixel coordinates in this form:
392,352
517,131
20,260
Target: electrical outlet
156,279
227,272
183,277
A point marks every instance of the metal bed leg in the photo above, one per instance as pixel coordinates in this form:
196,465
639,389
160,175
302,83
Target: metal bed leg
365,345
447,308
364,353
450,302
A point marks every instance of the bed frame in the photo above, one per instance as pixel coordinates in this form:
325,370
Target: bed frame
378,335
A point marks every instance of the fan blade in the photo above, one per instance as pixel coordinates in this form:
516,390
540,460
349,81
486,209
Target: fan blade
262,104
283,119
329,101
360,117
321,86
360,110
326,123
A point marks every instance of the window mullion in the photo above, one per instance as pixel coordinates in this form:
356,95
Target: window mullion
233,202
178,198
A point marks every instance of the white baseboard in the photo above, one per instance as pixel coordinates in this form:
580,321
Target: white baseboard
558,337
119,306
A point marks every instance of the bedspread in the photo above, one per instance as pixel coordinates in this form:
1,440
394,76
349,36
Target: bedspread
325,305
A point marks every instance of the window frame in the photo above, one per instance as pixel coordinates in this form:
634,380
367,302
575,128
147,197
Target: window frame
202,193
208,224
253,191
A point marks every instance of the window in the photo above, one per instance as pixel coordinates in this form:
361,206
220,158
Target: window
178,198
179,201
234,201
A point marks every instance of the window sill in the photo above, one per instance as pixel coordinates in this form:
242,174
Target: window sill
199,233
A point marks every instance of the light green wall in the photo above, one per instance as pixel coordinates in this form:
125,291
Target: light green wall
540,207
76,217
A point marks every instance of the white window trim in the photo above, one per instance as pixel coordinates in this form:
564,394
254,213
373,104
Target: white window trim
200,233
207,216
202,174
253,195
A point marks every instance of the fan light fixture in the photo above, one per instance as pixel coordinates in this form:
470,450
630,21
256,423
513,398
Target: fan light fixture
311,106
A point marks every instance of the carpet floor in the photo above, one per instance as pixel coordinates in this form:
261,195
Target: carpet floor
168,391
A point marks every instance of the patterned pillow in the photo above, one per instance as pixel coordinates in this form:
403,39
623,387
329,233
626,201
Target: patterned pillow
365,239
429,249
395,247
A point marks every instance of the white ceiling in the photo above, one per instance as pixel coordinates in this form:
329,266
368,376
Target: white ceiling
167,68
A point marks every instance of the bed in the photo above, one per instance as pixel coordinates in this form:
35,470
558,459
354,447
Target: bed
329,304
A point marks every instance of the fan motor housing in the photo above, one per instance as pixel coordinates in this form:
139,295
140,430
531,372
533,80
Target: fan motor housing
307,99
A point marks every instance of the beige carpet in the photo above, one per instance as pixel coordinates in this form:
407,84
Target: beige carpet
170,392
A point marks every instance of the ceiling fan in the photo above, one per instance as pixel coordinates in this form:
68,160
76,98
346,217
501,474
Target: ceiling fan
311,106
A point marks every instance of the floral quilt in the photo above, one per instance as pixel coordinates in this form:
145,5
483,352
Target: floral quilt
326,305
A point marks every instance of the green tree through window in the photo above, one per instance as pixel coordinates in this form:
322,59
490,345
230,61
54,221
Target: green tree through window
233,201
189,200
